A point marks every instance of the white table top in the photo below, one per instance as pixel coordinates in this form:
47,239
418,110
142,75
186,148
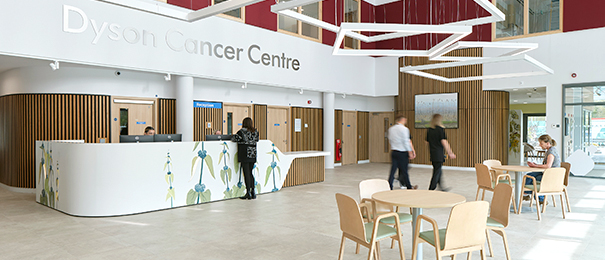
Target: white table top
517,168
419,198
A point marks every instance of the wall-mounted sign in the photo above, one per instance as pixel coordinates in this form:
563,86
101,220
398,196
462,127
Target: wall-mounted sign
201,104
297,125
275,124
208,124
141,123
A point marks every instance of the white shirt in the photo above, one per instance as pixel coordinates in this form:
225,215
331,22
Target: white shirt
399,138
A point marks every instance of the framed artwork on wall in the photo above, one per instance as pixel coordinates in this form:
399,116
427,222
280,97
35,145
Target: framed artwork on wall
445,104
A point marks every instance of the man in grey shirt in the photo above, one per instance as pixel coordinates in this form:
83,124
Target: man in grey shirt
402,150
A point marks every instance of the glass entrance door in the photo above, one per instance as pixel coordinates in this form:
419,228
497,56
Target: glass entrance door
584,124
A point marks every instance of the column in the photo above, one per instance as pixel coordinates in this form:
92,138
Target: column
328,110
184,107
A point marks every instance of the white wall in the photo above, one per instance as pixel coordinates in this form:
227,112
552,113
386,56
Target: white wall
43,29
95,80
579,52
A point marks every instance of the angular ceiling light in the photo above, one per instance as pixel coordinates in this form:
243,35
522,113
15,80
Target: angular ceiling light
394,30
180,13
417,70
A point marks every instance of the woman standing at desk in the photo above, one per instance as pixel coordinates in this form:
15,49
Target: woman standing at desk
246,139
551,159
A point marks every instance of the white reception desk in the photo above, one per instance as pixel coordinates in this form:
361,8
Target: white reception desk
88,179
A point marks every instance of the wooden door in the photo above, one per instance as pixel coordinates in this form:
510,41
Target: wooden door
233,115
277,127
363,129
130,116
349,137
379,143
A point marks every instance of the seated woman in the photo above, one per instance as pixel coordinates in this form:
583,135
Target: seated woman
551,159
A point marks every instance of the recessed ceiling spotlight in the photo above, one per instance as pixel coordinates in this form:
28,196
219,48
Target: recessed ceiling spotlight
525,103
168,77
515,101
245,85
301,91
515,89
54,65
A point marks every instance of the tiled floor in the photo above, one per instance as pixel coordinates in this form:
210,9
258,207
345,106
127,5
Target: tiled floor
295,223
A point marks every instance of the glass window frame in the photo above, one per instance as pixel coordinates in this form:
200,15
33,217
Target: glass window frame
299,25
358,20
526,24
242,11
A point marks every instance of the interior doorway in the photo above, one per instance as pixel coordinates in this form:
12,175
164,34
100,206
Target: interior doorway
130,116
278,127
380,122
233,115
349,137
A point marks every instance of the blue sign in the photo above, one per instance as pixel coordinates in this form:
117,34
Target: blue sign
141,123
239,124
348,125
201,104
275,124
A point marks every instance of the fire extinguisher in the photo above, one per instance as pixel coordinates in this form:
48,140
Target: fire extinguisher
338,149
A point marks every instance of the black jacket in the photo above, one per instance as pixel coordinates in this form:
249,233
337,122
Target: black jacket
246,145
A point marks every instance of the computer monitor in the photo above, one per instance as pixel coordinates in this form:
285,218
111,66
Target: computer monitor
167,138
218,137
136,138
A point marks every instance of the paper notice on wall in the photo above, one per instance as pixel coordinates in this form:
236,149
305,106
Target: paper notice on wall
297,125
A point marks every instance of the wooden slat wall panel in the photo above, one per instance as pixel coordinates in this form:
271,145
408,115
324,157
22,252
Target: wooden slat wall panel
482,115
203,115
166,116
260,120
337,128
311,137
25,118
305,170
363,131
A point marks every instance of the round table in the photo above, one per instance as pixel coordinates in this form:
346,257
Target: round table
519,170
417,200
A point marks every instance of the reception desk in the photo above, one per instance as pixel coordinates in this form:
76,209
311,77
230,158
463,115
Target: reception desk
88,179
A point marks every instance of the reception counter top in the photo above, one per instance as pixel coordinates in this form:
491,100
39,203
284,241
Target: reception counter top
88,179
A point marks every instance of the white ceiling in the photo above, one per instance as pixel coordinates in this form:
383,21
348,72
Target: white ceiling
528,95
11,62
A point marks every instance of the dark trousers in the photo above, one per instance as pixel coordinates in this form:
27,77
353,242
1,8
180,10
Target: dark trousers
436,179
400,160
248,177
538,176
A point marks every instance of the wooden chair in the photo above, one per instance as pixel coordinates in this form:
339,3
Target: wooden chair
465,231
485,181
498,216
496,174
551,184
366,234
366,189
567,167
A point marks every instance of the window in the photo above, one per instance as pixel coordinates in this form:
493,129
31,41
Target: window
237,14
528,17
298,28
352,15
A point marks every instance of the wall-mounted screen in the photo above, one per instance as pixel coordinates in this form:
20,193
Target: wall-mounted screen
427,105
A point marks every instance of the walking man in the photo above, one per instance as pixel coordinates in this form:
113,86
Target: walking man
402,150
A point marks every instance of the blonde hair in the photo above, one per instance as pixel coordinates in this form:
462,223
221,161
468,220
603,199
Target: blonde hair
547,139
436,120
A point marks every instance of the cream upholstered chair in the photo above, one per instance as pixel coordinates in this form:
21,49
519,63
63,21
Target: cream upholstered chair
367,234
485,181
551,184
498,216
366,189
567,167
465,231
